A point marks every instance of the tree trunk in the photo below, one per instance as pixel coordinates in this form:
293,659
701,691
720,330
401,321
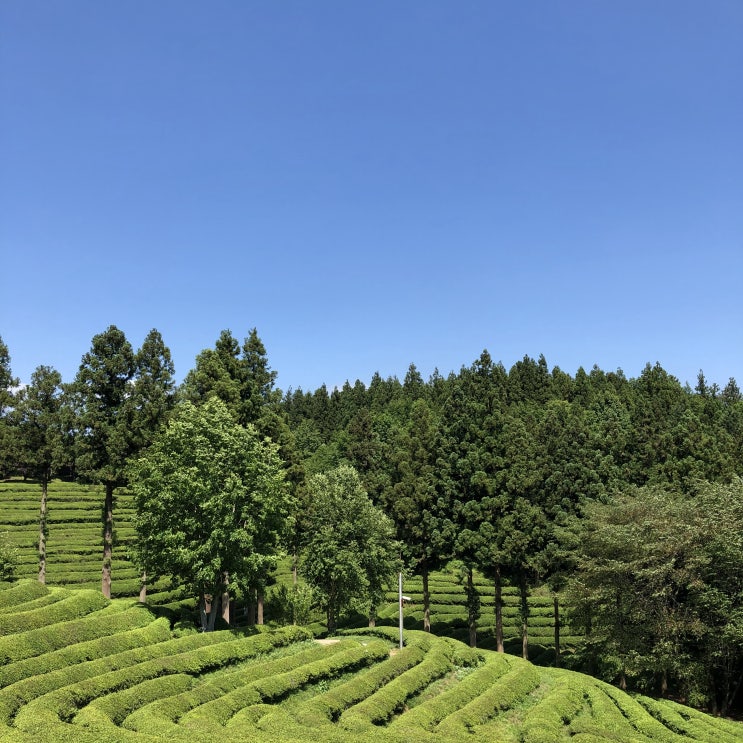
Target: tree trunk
498,611
331,619
523,589
226,607
557,631
373,616
471,609
250,607
733,691
42,532
108,530
294,568
204,611
143,588
259,619
426,600
713,696
216,601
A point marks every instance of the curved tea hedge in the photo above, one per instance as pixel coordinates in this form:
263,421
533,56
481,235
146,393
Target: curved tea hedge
113,671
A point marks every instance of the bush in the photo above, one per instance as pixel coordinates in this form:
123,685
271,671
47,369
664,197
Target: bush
431,712
521,679
381,705
72,606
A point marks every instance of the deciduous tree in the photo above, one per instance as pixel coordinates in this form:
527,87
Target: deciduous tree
212,503
350,553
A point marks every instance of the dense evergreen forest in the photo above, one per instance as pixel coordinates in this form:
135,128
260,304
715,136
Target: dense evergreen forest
622,495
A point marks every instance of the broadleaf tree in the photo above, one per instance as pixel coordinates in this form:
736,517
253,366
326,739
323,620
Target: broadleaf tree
350,553
211,504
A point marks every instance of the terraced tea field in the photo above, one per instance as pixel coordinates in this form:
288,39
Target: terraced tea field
74,537
77,667
74,549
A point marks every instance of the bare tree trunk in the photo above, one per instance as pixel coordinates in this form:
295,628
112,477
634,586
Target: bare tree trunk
204,609
557,630
226,607
373,616
524,617
250,607
294,568
143,588
498,611
216,600
108,530
472,603
426,600
260,604
42,532
331,618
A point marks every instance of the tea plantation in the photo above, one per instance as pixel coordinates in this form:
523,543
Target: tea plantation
78,667
75,666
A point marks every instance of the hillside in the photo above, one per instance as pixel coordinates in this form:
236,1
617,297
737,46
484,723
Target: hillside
74,548
78,667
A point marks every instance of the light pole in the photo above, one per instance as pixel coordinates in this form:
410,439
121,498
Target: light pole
400,592
402,599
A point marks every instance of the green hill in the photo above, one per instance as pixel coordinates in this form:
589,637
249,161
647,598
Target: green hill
77,667
74,551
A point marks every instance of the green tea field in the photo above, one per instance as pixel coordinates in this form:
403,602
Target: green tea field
77,667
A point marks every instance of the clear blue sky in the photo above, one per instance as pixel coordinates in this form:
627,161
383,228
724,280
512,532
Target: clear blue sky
374,184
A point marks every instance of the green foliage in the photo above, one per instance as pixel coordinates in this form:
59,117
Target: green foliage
8,560
211,501
140,684
292,604
349,554
660,591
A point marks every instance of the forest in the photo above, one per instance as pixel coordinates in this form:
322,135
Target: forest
621,495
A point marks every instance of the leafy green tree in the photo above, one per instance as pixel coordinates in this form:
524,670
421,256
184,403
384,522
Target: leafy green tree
39,421
239,376
640,554
216,373
7,383
718,597
414,502
471,464
153,390
212,504
152,398
106,437
350,553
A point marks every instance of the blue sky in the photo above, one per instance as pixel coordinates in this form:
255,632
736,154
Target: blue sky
375,184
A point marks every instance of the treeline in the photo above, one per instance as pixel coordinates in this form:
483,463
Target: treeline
605,488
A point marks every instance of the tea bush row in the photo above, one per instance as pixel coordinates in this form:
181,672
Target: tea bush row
58,695
430,713
352,656
161,716
390,698
503,694
72,606
328,706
